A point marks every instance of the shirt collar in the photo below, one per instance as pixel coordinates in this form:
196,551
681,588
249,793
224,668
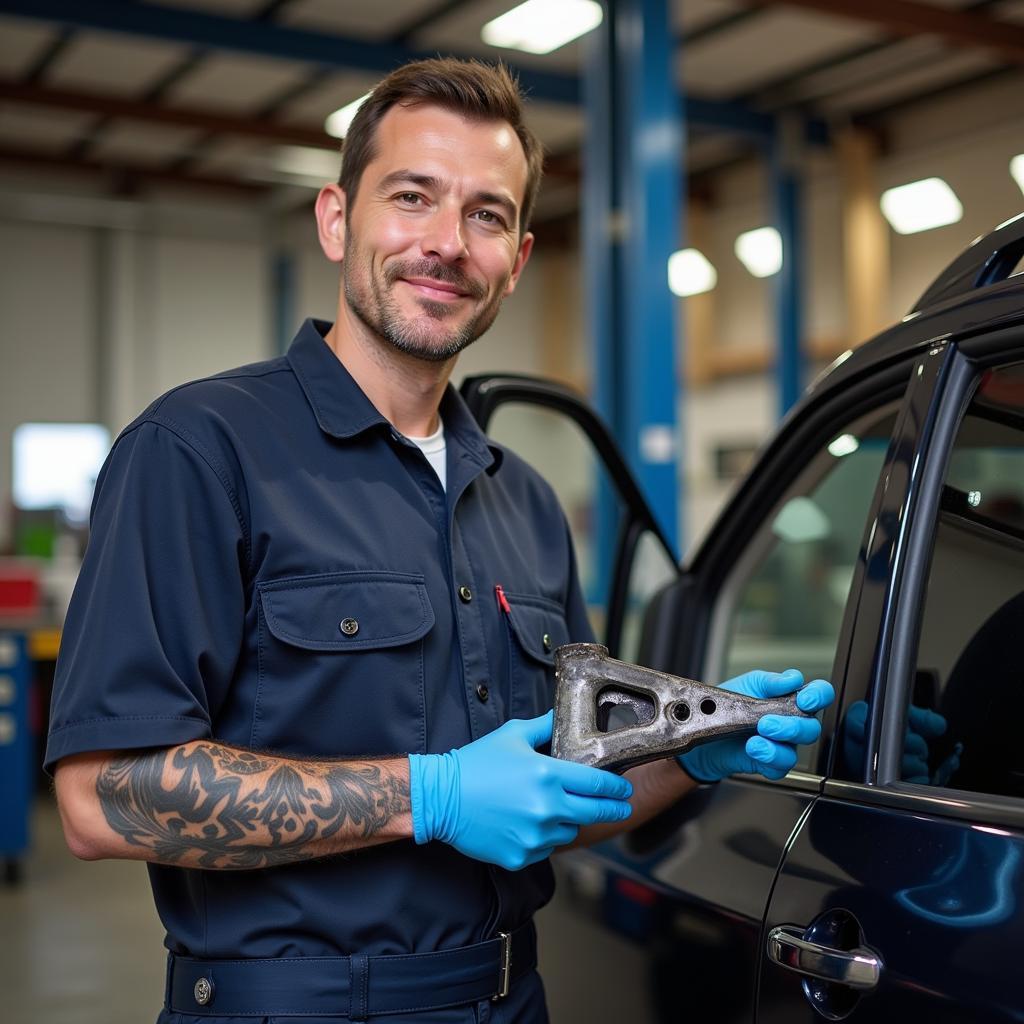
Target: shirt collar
343,410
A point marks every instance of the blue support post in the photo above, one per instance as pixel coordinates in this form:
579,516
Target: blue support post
787,194
649,152
631,225
632,170
601,255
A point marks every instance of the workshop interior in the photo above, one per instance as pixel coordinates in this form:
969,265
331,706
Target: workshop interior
738,196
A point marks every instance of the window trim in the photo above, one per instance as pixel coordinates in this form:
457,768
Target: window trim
861,666
891,688
893,685
977,808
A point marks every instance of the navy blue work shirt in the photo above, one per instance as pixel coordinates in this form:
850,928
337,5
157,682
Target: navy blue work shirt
236,523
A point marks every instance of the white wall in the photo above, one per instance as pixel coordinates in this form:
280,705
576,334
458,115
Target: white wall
106,304
48,310
210,309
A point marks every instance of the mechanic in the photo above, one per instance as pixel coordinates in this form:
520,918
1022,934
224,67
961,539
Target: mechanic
308,664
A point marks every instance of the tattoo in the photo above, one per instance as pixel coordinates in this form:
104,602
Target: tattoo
218,816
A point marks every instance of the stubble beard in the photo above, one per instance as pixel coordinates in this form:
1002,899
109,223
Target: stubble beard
371,299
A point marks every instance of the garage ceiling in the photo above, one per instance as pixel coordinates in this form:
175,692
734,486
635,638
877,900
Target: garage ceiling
233,93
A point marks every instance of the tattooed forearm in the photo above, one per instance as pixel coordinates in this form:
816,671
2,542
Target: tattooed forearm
207,805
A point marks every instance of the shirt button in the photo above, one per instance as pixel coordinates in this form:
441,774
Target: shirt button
482,693
465,594
349,627
546,641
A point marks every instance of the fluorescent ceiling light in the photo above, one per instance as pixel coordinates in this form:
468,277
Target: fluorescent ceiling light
844,444
540,26
1017,170
921,206
690,273
337,124
760,251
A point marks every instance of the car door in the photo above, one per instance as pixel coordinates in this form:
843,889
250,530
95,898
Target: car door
771,588
899,897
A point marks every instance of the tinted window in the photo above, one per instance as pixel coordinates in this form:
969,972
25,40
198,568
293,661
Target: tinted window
970,664
783,604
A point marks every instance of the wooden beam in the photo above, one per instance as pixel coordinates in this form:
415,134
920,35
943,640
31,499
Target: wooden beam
155,113
699,310
127,171
561,308
909,18
865,235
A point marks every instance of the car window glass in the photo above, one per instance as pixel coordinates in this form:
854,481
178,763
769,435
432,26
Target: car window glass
560,451
650,571
783,604
968,697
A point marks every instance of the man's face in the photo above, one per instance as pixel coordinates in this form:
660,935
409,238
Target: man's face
432,241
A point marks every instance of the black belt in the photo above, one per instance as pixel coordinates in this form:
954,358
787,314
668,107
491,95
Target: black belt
354,986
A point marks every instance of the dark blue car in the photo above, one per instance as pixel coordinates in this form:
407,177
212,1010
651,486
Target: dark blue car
879,542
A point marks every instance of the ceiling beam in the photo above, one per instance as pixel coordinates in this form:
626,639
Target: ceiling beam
44,61
127,172
710,29
199,28
152,113
909,18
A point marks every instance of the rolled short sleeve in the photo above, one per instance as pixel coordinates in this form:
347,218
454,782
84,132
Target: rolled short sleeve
156,623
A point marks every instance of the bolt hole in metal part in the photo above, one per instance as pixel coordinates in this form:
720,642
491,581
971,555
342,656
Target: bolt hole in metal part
612,714
680,711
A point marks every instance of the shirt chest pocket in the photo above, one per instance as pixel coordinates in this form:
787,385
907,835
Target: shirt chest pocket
536,628
341,663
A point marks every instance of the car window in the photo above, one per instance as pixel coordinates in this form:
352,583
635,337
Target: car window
968,697
561,451
783,603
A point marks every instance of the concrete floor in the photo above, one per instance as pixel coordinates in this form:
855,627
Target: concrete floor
81,944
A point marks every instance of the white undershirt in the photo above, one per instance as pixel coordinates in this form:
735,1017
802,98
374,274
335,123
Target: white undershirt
435,449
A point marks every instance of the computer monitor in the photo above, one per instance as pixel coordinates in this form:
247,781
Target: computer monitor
55,466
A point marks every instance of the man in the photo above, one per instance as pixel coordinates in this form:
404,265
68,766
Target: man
308,579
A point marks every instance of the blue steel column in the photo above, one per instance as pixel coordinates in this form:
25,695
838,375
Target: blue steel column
601,255
600,200
632,188
787,193
650,155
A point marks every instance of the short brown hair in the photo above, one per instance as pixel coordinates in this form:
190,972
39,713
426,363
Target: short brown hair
472,88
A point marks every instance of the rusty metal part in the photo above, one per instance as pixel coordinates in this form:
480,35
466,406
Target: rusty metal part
673,714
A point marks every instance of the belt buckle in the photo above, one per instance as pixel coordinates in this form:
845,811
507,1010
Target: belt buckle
504,967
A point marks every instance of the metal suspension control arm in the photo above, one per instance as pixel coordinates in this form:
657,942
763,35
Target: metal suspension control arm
673,714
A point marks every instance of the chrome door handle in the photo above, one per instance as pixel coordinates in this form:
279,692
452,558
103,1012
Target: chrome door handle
858,968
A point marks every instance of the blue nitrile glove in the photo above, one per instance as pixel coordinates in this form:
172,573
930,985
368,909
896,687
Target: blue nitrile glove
772,752
923,725
497,800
